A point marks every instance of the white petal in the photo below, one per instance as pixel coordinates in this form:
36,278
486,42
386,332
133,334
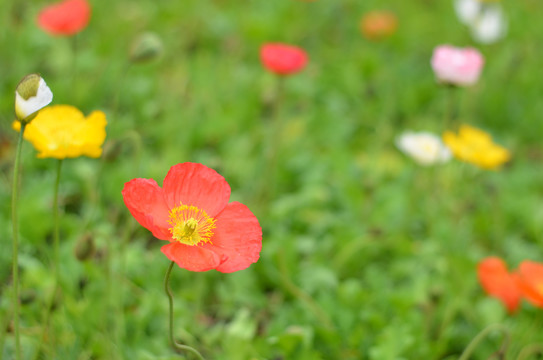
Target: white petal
490,25
467,10
425,148
43,97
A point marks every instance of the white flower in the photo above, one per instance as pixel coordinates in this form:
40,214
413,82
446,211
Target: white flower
425,148
31,95
467,10
490,25
484,18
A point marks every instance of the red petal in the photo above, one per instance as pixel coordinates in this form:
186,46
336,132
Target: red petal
530,280
283,59
65,18
145,201
192,258
498,282
237,238
196,185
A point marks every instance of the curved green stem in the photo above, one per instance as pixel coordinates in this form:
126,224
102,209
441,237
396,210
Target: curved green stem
483,334
15,223
174,344
534,349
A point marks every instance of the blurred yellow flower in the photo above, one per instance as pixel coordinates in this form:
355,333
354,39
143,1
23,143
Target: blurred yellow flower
475,146
62,131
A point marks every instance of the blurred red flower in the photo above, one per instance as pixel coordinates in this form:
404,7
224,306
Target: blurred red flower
65,18
283,59
499,283
192,212
530,280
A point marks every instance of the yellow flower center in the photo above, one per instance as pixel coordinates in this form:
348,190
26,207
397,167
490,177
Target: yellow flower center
427,147
191,225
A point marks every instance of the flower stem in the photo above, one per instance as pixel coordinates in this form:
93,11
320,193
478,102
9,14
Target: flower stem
15,222
56,241
75,49
56,258
484,333
174,344
56,225
272,143
534,349
450,107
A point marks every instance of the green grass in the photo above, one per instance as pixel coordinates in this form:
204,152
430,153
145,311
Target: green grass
365,254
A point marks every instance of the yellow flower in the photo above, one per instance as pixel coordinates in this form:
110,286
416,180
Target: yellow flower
475,146
62,131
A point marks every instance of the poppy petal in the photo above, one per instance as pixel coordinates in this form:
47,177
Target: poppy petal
283,59
499,283
65,18
196,185
530,280
237,239
192,258
145,201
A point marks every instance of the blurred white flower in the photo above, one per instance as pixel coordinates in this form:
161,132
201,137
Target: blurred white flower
490,25
425,148
467,10
484,18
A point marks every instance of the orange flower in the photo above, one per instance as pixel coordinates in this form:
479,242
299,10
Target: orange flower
530,281
65,18
378,25
499,283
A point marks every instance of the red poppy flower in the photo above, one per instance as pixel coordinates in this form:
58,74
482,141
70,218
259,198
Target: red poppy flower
283,59
65,18
530,281
192,212
499,283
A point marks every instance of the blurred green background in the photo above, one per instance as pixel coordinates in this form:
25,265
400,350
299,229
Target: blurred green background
366,255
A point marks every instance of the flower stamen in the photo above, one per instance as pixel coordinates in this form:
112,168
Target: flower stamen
191,225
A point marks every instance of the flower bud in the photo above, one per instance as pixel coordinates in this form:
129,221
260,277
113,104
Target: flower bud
146,47
31,95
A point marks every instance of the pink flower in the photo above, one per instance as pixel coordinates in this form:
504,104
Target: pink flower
457,66
283,59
